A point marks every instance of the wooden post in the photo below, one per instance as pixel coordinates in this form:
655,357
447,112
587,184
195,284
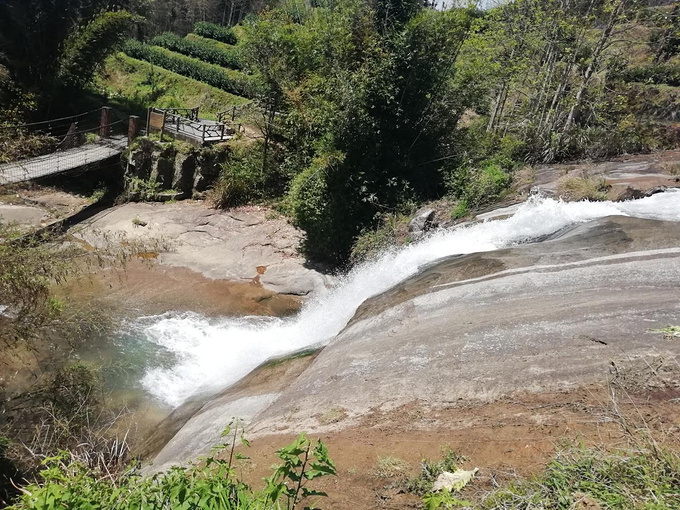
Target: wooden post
133,128
105,122
165,115
148,121
222,137
233,114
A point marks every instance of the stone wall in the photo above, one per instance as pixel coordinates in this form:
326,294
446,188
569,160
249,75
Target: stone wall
162,171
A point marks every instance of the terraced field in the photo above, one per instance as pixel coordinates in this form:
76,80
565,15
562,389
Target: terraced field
203,69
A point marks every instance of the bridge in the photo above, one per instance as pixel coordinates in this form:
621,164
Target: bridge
82,139
98,135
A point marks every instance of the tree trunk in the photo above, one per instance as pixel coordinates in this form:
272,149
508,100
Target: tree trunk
594,65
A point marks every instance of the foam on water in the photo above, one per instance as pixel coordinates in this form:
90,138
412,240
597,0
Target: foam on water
211,354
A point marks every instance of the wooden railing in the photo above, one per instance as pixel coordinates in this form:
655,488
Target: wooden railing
174,120
230,114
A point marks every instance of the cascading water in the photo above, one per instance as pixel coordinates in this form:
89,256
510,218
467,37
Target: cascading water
211,354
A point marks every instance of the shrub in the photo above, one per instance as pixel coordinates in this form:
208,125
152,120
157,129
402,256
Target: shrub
391,231
212,484
198,49
225,79
668,74
217,32
16,145
243,179
85,50
574,189
478,186
321,201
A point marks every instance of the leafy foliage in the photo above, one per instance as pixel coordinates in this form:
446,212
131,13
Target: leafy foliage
665,74
85,50
212,484
245,179
225,57
217,32
225,79
303,461
367,120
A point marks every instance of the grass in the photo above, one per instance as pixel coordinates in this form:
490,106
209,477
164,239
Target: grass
333,415
575,189
392,467
668,331
594,478
135,85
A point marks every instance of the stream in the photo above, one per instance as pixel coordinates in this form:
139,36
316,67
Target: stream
176,355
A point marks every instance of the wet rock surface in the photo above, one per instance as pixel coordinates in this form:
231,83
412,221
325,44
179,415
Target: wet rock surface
237,245
630,177
542,317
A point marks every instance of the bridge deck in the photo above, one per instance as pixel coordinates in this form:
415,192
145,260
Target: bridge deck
57,162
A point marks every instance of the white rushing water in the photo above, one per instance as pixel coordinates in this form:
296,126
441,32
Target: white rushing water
211,354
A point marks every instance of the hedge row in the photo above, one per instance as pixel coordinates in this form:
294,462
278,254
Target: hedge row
200,50
219,77
217,32
659,74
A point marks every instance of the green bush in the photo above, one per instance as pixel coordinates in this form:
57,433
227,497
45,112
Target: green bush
201,50
321,201
86,49
210,485
216,32
478,186
225,79
391,231
244,180
668,74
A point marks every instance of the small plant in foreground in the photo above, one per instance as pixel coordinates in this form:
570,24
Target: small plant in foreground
302,462
641,478
430,470
209,485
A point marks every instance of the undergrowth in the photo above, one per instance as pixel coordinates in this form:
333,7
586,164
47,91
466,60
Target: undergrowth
596,478
65,482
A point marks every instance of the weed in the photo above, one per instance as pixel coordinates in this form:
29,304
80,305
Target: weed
575,189
430,470
668,331
138,223
333,415
392,467
615,480
460,210
92,138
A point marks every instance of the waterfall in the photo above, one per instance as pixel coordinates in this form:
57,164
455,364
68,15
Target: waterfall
211,354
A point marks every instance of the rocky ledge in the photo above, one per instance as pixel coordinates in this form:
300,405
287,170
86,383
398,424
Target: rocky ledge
245,244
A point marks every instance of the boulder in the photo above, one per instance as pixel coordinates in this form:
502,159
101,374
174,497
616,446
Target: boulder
422,221
162,169
183,174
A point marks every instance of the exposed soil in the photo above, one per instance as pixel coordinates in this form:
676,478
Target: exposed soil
512,437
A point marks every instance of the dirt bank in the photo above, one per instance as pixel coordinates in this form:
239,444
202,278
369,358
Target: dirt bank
512,437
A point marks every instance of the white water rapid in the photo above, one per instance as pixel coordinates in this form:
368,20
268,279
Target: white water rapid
212,354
